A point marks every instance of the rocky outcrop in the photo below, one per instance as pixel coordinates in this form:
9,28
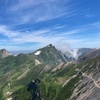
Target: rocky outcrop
4,53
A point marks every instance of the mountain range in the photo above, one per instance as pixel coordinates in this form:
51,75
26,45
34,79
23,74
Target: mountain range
50,74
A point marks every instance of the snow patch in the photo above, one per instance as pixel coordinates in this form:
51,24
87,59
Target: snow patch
37,53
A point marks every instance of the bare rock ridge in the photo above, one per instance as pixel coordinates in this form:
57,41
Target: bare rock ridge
89,55
4,53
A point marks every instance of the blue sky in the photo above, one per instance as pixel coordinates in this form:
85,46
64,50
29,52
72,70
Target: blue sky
32,24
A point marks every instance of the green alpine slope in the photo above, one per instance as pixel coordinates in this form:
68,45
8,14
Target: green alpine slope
57,77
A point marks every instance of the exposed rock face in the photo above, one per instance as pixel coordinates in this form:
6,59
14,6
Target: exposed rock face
92,54
88,87
4,53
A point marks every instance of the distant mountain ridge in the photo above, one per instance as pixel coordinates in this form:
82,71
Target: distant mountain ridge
75,53
70,53
92,54
62,76
21,51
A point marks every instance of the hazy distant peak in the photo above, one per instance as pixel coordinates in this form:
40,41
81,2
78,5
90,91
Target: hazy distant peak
75,53
4,53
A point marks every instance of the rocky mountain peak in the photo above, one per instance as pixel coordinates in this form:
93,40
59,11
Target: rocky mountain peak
4,53
50,45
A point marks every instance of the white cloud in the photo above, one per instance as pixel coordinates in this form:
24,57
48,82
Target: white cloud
97,24
71,32
46,36
40,10
41,37
6,32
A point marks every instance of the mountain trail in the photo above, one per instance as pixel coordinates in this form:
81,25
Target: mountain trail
21,76
95,83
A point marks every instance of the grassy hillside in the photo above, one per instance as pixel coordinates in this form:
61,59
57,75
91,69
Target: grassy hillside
60,79
60,85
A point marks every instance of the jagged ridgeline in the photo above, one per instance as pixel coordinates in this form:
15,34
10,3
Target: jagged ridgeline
49,74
